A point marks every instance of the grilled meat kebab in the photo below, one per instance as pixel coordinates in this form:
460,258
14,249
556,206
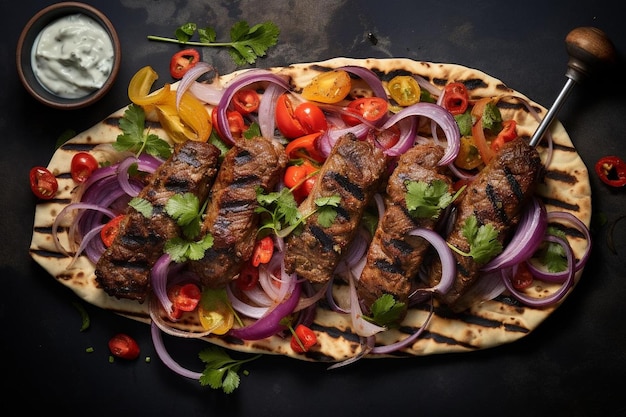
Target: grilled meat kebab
353,171
497,197
123,270
394,257
230,216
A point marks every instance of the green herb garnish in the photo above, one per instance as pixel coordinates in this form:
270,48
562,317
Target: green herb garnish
186,210
551,254
135,139
143,206
326,212
83,315
386,311
425,201
246,43
221,370
483,241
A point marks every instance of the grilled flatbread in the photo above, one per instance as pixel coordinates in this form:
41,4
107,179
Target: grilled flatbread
488,324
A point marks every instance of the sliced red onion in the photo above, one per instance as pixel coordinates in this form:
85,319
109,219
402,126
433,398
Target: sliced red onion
369,77
123,177
254,312
438,114
242,80
161,350
360,326
448,263
557,295
267,110
528,236
569,217
189,80
158,281
270,324
330,299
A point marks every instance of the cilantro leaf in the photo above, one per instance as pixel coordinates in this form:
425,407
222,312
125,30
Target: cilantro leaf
185,209
483,241
386,310
326,212
134,139
426,200
221,371
182,250
246,43
143,206
280,209
551,254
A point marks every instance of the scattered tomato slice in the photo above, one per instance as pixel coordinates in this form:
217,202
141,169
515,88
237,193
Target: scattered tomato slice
236,123
372,109
124,346
82,166
305,147
183,61
468,156
43,183
214,311
248,277
404,90
263,251
385,139
111,230
184,297
304,119
522,278
303,339
507,134
328,87
246,101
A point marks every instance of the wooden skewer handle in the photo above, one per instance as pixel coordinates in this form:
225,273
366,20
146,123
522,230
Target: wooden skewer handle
588,48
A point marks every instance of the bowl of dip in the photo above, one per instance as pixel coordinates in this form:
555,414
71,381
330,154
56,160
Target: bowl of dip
68,55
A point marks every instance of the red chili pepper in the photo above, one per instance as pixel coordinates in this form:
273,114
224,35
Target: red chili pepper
455,98
305,147
111,229
184,297
302,339
246,101
43,183
248,277
523,277
183,61
612,171
123,346
263,251
507,134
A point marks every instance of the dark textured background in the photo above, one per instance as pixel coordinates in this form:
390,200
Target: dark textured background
566,367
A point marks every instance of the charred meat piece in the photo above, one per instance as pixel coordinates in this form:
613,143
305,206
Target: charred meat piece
123,270
230,216
394,257
352,171
497,197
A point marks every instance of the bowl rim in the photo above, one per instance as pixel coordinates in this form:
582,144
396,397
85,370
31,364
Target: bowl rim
48,15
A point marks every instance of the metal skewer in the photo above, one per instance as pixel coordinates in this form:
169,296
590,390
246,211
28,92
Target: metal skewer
588,48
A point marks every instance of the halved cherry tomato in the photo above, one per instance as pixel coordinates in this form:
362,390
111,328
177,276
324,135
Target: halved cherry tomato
183,61
123,346
372,109
507,134
468,156
328,87
235,122
184,297
522,278
246,101
82,166
263,251
612,171
300,179
305,147
214,311
404,89
43,183
385,139
248,277
455,98
302,339
111,230
306,118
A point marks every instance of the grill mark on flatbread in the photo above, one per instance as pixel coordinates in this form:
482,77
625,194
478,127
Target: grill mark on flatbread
515,319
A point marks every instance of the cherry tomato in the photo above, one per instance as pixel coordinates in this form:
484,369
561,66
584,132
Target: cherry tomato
235,122
111,230
183,61
328,87
522,278
385,139
248,277
611,170
372,109
303,339
43,183
305,147
246,101
83,164
300,179
468,156
304,119
404,89
263,251
123,346
455,98
507,134
184,297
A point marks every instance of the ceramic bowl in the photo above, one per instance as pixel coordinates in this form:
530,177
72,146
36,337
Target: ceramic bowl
29,37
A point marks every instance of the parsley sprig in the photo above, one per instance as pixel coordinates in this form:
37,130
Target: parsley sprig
426,200
483,241
246,43
552,255
136,139
221,370
386,311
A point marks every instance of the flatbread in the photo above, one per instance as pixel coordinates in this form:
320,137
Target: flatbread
491,323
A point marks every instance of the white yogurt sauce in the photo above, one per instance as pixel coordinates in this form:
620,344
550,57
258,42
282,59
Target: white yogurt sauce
72,56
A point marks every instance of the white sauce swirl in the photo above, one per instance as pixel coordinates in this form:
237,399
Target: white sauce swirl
72,56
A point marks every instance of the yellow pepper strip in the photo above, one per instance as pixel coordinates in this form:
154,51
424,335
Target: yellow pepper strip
189,122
